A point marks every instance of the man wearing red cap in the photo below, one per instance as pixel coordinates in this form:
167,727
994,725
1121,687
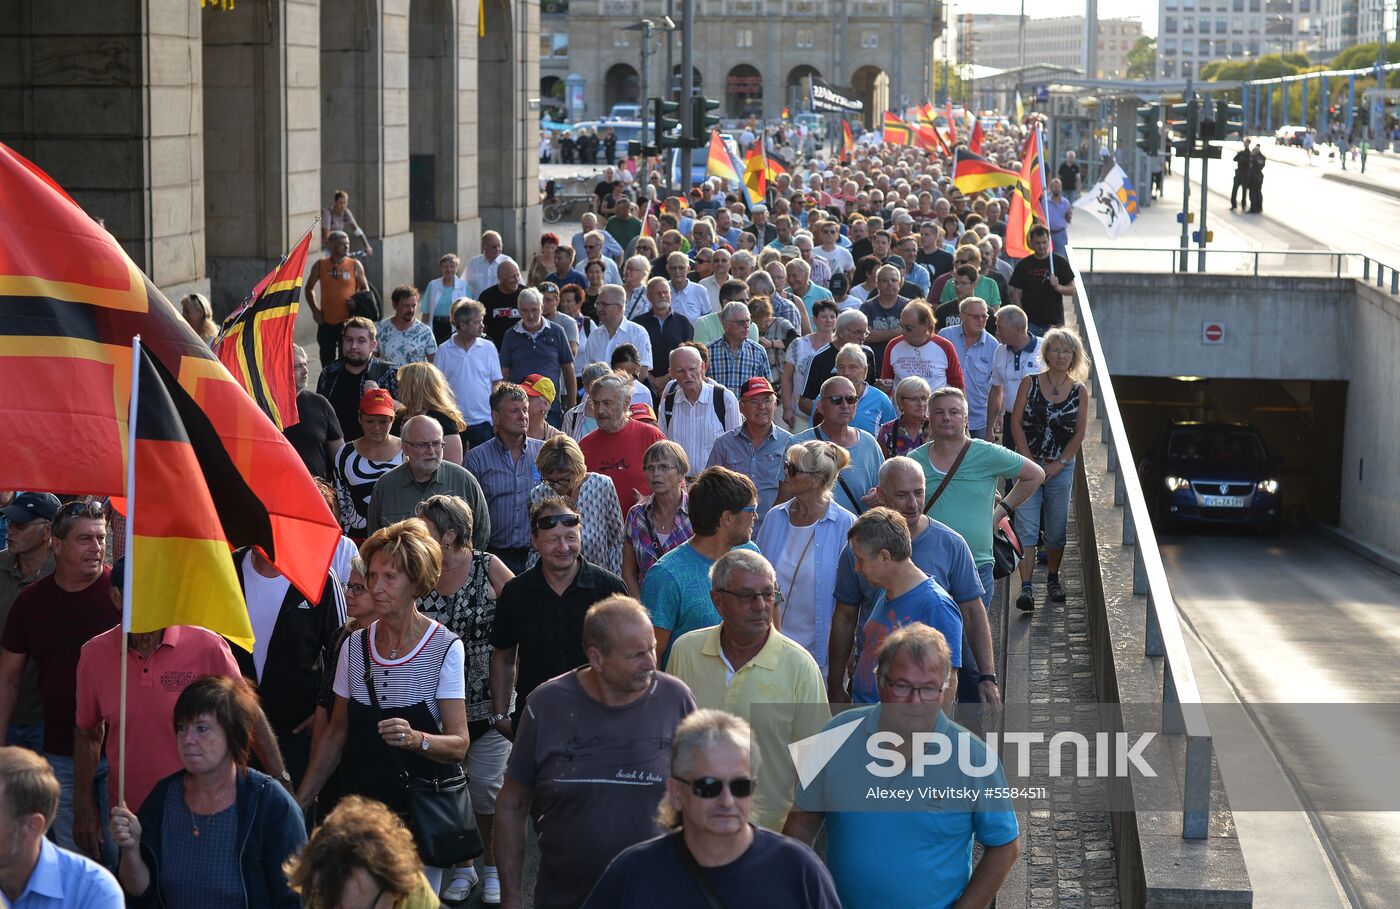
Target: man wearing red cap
755,449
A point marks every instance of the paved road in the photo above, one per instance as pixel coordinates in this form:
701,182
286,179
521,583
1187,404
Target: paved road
1298,620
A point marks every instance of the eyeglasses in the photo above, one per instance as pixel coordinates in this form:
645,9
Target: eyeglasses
548,288
840,400
708,787
914,399
738,321
903,690
354,590
425,446
562,480
551,521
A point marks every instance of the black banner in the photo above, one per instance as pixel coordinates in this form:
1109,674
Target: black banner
826,99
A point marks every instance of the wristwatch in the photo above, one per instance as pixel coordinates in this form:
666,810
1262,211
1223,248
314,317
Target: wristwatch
285,775
424,744
497,718
987,677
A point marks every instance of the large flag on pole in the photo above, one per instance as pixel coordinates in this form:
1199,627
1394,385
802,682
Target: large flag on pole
1113,201
952,129
896,131
1027,199
756,173
974,173
70,303
256,340
186,503
974,143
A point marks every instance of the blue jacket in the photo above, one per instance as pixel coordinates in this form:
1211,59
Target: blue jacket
270,830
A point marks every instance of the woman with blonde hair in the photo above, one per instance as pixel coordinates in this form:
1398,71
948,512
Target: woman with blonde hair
803,538
197,311
362,855
424,390
661,521
909,430
565,474
1049,420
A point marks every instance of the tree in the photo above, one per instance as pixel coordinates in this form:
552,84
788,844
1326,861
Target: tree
1361,56
1142,59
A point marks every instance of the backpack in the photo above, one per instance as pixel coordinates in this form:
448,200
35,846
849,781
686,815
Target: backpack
716,398
366,303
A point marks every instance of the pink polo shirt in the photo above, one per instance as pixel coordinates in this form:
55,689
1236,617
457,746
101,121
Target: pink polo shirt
185,654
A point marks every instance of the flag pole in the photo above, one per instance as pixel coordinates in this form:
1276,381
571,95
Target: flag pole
129,568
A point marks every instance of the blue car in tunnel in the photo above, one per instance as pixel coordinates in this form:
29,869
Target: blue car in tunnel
1212,473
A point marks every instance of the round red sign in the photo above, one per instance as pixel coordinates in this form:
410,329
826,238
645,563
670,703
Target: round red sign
1214,332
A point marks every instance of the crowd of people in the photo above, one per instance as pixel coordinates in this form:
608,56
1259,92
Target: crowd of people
621,521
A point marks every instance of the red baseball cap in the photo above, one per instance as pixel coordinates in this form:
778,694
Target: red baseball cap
643,412
756,386
377,402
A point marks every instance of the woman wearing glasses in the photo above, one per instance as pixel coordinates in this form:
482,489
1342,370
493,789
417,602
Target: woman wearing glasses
661,522
803,538
709,797
592,495
910,429
464,600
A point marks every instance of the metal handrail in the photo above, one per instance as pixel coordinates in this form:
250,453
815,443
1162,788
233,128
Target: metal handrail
1340,266
1182,713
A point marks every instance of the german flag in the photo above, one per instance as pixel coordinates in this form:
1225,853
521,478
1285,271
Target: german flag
191,503
777,164
256,341
756,172
70,303
974,173
719,163
896,131
1027,200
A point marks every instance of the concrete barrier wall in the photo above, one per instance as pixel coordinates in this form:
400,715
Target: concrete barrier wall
1273,328
1371,445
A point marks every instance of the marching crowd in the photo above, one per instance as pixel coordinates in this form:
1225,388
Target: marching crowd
620,524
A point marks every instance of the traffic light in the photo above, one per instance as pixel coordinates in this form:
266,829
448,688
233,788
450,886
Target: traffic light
1149,130
1229,120
664,122
1181,119
701,120
1205,125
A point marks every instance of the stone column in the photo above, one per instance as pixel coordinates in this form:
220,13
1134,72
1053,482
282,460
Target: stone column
508,73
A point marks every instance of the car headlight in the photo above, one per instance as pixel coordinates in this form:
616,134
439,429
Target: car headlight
1269,486
1177,484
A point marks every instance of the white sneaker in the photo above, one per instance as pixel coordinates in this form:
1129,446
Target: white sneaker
464,880
491,888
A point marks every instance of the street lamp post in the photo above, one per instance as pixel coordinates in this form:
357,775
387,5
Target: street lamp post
646,27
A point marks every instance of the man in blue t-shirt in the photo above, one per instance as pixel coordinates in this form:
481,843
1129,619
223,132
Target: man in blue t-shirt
942,554
900,831
676,590
880,542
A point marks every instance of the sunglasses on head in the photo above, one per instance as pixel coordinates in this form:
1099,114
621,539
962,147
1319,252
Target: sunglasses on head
551,521
708,787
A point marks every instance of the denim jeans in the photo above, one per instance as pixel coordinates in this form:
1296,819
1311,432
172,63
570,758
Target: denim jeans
62,830
967,676
480,433
1051,499
26,735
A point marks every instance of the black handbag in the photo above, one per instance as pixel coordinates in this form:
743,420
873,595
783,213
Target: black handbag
439,810
1006,548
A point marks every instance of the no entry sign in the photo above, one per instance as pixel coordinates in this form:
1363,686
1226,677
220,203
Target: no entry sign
1212,332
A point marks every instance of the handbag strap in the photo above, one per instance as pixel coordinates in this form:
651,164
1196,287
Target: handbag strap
692,868
962,453
855,500
374,699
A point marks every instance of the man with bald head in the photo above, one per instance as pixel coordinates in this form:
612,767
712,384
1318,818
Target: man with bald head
665,329
500,302
613,329
693,412
423,474
484,270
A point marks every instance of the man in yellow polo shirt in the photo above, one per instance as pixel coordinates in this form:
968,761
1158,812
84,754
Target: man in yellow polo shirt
744,666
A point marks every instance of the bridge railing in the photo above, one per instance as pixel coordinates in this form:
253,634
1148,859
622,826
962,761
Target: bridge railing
1257,261
1182,713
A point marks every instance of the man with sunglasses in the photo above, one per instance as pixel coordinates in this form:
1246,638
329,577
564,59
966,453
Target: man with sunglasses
424,474
715,759
49,623
745,667
836,407
932,831
27,558
591,758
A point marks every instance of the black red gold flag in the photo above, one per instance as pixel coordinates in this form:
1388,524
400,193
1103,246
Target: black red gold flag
70,303
974,173
256,340
1027,200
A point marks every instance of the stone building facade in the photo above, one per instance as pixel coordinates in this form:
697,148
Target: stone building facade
754,55
209,139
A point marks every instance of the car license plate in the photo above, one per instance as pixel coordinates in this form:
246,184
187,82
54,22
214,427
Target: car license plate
1224,501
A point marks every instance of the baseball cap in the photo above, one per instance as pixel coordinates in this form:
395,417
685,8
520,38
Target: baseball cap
537,386
756,386
377,402
32,506
896,261
838,284
642,411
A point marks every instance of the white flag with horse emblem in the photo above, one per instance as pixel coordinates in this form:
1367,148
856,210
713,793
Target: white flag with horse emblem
1113,201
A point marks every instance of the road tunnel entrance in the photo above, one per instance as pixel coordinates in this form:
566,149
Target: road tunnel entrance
1300,421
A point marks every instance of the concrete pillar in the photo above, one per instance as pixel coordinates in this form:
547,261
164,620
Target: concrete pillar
1304,108
364,128
508,76
442,134
105,97
262,124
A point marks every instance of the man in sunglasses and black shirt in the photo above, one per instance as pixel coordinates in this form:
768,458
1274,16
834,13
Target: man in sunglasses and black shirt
539,614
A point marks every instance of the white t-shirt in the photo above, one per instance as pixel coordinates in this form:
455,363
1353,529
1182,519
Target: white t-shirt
800,355
404,680
1009,368
796,571
839,259
471,373
928,361
264,596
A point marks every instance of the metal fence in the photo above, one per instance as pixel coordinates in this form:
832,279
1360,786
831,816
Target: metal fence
1254,261
1182,713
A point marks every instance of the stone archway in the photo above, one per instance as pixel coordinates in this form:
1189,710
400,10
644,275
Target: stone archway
743,92
621,85
798,91
872,85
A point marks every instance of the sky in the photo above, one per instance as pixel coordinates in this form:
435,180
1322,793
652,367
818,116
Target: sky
1144,10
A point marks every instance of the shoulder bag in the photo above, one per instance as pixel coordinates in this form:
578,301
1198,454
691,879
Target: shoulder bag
696,874
439,810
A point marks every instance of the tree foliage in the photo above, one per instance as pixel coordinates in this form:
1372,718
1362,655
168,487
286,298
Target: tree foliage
1142,59
1363,55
